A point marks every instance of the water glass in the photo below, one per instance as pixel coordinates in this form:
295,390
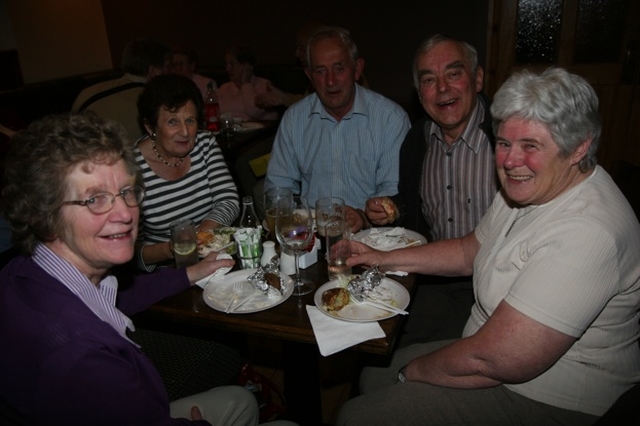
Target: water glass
337,237
184,242
328,209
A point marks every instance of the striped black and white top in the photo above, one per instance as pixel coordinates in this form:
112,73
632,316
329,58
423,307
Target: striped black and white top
206,192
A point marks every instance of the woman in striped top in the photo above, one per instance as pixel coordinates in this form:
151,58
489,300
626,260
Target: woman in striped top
184,172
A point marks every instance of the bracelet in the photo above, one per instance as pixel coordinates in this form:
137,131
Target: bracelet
401,377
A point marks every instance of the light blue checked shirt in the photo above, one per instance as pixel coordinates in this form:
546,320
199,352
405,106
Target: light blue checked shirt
355,158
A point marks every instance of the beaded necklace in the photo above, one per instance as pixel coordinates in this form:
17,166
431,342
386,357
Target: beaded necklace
153,145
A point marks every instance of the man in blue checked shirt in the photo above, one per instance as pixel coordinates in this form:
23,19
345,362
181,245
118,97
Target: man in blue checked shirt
343,140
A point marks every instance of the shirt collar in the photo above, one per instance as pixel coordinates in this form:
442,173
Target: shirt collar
468,134
359,107
100,300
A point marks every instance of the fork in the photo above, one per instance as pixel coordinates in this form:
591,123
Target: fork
377,304
237,286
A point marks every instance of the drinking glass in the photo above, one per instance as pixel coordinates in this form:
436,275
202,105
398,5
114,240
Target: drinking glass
328,209
294,229
338,235
184,242
271,200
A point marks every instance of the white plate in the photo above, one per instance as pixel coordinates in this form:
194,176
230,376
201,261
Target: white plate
408,237
398,297
217,293
247,126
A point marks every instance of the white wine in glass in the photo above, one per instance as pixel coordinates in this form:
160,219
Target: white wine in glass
294,229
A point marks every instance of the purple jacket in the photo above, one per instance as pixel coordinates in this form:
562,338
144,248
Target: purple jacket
61,364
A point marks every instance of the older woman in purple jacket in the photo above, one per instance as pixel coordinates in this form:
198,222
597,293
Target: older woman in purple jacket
72,197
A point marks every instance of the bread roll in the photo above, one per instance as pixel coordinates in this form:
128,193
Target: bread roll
335,299
389,208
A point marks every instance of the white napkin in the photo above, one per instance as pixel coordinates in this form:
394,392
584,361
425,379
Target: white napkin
334,335
217,275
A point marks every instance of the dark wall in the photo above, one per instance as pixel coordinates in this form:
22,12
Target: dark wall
387,32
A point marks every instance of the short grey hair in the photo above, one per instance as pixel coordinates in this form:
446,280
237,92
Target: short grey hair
333,32
565,103
470,53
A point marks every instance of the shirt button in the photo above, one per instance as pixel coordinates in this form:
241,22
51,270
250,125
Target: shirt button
449,187
450,220
449,154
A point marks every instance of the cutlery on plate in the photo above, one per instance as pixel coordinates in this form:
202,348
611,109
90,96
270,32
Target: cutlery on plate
226,246
379,305
237,286
388,306
235,308
413,243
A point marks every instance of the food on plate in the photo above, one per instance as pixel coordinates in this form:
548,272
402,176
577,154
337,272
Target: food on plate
205,237
273,280
389,208
362,285
335,299
214,239
268,280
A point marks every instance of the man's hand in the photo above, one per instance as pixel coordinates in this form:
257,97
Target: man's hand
356,219
376,212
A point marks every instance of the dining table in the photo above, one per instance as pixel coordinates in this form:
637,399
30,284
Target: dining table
288,323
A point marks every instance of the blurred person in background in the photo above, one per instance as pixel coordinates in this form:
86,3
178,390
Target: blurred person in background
116,99
237,97
184,61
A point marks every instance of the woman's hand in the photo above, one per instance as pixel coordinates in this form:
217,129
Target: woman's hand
361,254
207,266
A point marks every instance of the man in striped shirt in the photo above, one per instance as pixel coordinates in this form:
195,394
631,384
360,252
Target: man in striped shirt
447,175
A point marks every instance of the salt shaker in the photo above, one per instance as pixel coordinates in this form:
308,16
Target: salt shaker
268,251
287,262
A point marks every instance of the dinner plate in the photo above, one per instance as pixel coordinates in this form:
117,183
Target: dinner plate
217,294
394,294
404,238
248,126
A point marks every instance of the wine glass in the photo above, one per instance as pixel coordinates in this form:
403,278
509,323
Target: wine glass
294,229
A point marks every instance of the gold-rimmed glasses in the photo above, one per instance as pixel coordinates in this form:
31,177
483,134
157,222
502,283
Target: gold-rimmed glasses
103,202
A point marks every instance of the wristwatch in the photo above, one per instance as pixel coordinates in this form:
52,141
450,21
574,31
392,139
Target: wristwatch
401,377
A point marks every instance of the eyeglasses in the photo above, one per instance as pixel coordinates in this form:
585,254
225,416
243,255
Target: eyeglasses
104,202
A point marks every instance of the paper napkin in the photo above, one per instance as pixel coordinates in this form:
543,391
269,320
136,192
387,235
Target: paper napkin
334,335
217,275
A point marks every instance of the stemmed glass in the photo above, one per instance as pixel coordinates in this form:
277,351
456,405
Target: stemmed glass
294,229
